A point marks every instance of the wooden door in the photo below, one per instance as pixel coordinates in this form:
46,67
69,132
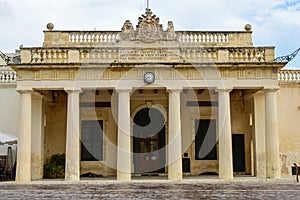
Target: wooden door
149,142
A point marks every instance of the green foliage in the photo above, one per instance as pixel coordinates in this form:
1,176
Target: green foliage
56,167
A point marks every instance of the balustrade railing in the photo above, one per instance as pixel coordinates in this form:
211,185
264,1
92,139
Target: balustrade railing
200,55
49,56
185,38
247,55
203,37
8,76
289,76
93,37
98,56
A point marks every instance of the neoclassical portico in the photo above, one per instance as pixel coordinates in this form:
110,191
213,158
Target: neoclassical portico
124,153
81,90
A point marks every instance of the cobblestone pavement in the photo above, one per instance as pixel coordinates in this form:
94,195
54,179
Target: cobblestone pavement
150,191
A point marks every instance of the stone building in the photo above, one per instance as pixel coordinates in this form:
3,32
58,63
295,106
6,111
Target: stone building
9,102
151,99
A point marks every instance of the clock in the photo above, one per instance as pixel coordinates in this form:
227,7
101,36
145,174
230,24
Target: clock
149,77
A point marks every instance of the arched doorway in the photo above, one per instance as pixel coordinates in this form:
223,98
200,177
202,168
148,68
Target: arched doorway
149,141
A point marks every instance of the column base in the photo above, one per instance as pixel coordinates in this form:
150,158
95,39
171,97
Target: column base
175,172
23,180
273,175
123,176
72,178
226,177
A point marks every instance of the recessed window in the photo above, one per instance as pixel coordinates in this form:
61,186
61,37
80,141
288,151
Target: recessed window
92,140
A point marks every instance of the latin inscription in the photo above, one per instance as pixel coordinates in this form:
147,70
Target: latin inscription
147,55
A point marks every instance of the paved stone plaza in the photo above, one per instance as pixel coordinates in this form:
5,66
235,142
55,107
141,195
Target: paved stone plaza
191,189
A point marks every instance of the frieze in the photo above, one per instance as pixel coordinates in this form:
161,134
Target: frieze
135,73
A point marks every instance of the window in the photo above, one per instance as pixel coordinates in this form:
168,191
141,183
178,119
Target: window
205,140
92,140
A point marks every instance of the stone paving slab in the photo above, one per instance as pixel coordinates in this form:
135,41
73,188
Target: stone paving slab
147,188
149,191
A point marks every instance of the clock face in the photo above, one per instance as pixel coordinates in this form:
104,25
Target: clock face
149,77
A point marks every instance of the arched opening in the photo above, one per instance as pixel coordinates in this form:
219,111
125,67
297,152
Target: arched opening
149,141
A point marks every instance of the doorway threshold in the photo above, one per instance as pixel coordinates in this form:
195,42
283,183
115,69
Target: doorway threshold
149,174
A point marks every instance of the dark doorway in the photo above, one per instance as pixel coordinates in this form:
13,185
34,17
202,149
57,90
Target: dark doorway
238,150
205,140
149,141
92,140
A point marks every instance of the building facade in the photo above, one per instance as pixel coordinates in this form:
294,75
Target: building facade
9,103
151,100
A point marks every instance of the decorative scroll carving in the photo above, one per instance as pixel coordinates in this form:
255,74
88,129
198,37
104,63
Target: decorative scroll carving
148,29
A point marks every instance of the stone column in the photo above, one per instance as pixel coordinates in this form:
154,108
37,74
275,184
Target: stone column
174,139
23,173
272,142
124,151
260,134
225,137
72,170
37,140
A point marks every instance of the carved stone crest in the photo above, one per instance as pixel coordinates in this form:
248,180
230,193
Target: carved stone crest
148,29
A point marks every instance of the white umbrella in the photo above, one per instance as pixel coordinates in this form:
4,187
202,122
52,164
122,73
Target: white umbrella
8,139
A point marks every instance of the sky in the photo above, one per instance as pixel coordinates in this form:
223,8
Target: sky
274,22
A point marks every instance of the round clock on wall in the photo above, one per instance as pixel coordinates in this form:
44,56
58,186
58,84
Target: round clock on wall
149,77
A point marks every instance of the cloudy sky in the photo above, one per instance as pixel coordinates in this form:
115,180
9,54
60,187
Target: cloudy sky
275,22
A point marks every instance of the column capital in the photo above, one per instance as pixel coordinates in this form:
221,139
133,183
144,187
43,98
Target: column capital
270,89
24,91
174,90
74,90
223,90
259,92
37,95
123,90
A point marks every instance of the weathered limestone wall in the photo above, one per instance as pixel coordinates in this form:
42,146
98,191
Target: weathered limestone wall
55,131
288,108
108,165
9,106
189,115
240,112
241,107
